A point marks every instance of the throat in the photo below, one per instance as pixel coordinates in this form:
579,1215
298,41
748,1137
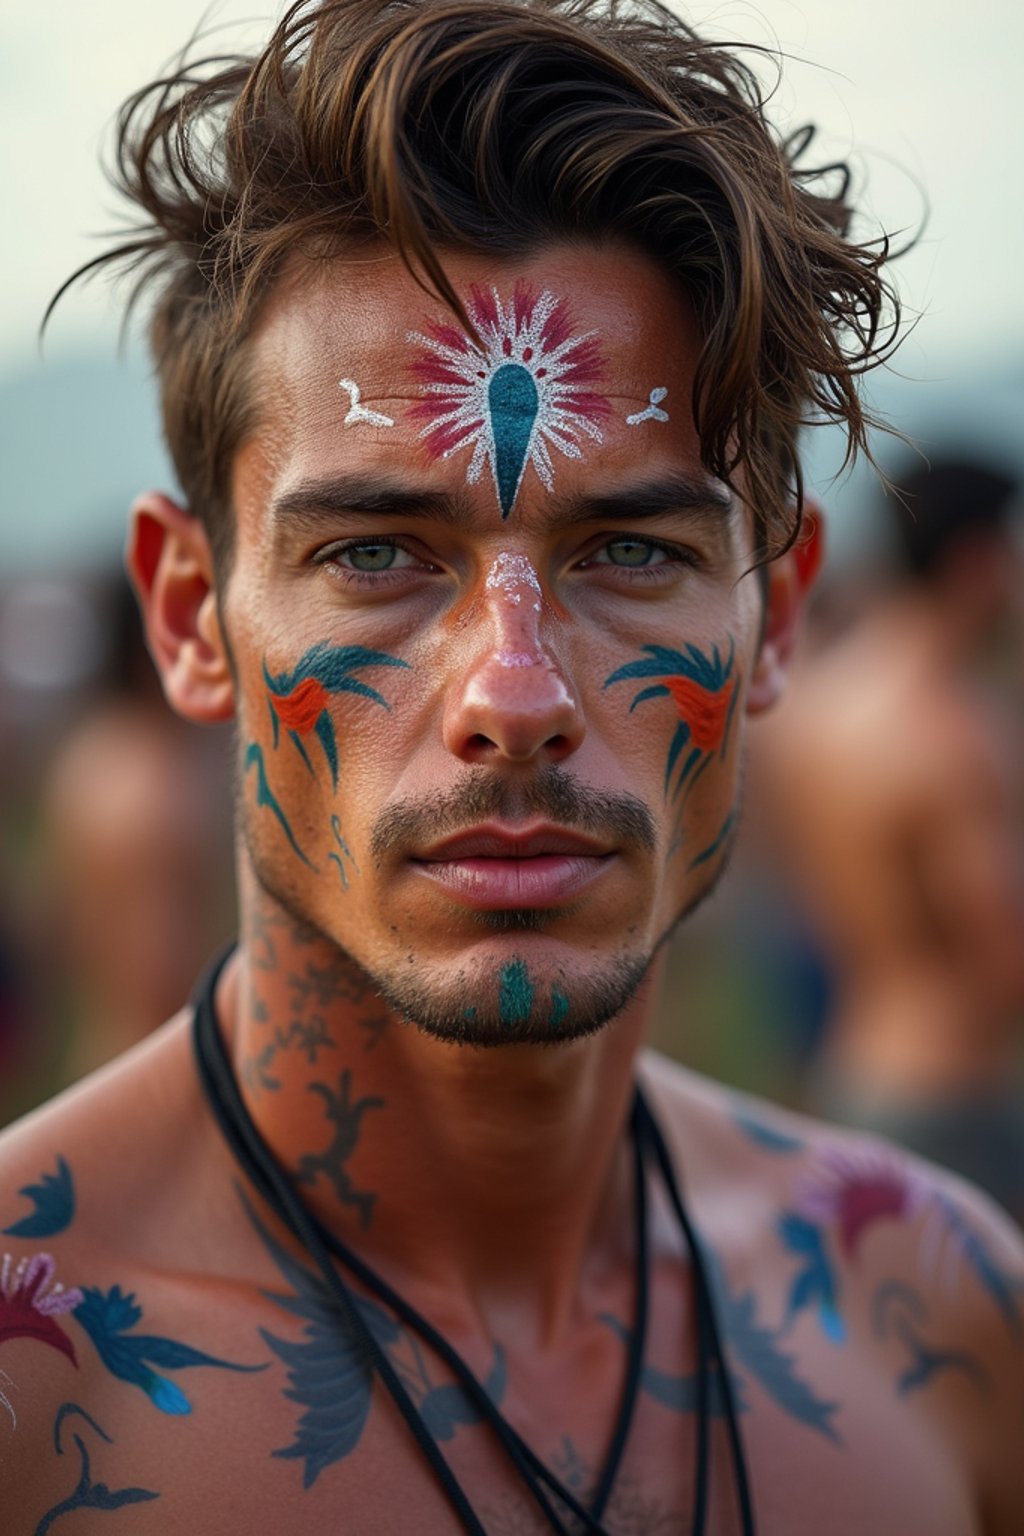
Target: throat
499,1174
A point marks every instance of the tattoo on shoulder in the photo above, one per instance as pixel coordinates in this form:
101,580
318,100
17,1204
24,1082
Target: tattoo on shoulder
330,1375
763,1133
53,1205
31,1301
86,1494
757,1347
900,1312
108,1318
837,1207
33,1305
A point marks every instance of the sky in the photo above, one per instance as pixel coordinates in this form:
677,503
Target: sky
926,99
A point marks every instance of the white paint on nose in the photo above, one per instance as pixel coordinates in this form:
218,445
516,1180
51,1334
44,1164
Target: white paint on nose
510,574
516,659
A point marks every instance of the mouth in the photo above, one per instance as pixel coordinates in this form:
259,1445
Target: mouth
498,866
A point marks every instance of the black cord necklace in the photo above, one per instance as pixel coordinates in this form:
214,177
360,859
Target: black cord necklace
327,1252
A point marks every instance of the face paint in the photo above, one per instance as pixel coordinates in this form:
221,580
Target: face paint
345,853
559,1008
357,412
265,797
509,574
299,699
529,387
516,993
652,411
704,689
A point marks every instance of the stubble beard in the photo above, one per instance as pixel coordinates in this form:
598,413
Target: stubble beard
472,1008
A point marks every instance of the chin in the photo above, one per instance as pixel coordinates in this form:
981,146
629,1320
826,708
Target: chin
515,997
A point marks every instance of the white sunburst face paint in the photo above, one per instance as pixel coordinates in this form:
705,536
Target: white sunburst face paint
532,386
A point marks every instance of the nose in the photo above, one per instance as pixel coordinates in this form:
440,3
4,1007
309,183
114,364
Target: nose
513,703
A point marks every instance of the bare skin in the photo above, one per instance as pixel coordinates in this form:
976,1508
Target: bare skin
489,1182
892,783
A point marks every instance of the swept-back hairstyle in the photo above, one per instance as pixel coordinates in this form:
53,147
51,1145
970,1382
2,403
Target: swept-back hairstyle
498,126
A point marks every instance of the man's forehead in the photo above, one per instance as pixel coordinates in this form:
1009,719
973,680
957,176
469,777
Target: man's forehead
363,317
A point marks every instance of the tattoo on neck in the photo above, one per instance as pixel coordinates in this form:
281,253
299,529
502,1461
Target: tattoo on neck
345,1115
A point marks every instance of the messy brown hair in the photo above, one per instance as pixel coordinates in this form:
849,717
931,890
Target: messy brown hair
498,126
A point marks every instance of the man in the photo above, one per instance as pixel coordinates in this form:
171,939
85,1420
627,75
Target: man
484,336
892,785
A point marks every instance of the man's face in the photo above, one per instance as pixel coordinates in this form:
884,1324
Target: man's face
492,632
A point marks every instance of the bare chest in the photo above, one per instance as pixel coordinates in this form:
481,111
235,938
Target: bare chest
315,1443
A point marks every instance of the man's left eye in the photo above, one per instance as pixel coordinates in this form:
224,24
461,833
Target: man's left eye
630,553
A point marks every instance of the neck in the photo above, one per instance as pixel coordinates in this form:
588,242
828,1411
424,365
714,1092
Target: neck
492,1175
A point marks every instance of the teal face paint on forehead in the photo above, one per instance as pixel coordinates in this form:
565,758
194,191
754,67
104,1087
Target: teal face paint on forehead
513,401
528,387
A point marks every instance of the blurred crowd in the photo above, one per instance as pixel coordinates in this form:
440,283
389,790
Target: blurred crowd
864,959
115,837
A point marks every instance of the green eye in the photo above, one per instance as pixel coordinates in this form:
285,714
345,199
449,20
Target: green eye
371,557
633,552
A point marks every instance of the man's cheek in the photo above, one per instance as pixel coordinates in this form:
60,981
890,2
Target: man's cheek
699,687
293,754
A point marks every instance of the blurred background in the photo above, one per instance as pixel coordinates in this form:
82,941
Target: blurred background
864,957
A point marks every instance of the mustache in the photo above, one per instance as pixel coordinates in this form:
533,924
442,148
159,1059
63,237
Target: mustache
552,792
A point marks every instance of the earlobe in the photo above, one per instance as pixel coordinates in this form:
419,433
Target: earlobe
788,581
170,564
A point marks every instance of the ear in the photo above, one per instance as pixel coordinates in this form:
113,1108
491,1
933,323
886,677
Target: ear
789,580
170,564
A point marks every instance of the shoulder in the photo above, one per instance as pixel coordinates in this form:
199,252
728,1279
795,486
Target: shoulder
841,1238
90,1251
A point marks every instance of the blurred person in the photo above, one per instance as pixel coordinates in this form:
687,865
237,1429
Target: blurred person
134,874
893,781
484,335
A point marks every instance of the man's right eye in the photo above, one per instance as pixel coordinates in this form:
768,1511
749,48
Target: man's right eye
371,557
367,556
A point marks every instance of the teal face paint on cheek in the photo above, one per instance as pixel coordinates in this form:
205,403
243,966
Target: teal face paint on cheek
266,797
299,698
516,994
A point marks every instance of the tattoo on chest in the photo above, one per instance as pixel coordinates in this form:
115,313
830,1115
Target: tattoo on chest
87,1493
632,1510
330,1375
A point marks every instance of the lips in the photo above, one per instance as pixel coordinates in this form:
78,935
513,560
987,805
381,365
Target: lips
506,867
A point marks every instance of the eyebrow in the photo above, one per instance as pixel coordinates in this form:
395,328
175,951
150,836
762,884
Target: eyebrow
677,492
355,494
